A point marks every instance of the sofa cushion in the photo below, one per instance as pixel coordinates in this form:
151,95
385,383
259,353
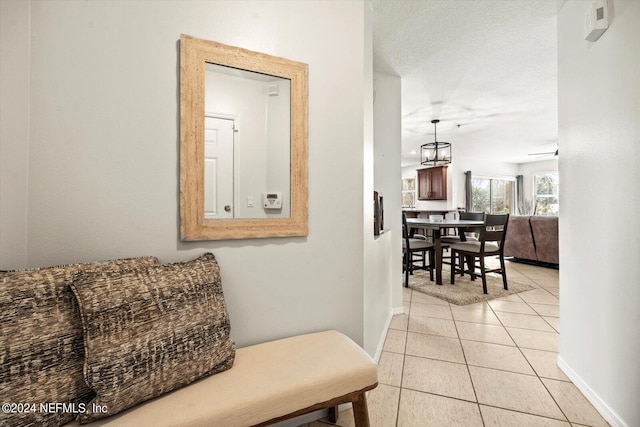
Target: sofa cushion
150,331
42,353
545,236
519,240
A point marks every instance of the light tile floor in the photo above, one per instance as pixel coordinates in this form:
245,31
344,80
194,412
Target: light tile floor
485,364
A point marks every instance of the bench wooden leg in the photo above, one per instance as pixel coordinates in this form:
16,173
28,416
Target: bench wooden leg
360,411
333,414
358,400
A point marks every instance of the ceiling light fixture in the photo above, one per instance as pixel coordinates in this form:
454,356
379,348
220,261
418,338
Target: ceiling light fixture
435,153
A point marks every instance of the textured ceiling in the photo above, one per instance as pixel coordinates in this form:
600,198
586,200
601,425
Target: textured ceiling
486,68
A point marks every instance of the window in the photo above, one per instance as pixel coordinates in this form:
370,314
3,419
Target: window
545,188
408,192
492,196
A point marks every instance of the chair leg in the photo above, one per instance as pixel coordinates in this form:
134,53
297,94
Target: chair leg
504,273
453,267
471,266
411,263
471,260
431,264
360,411
484,275
406,268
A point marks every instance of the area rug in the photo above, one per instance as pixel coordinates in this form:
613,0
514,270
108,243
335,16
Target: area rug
464,291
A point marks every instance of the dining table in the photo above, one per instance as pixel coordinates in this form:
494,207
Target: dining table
437,226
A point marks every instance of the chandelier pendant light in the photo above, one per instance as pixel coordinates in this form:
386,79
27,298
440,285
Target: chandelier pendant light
435,153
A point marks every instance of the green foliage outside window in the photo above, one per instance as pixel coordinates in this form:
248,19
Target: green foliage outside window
409,192
493,196
546,188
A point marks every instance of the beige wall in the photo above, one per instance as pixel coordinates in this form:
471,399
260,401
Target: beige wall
103,136
14,132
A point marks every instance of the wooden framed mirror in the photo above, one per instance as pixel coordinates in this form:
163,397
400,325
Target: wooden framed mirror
243,143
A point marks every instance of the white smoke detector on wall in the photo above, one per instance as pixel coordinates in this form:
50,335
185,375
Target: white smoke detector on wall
596,20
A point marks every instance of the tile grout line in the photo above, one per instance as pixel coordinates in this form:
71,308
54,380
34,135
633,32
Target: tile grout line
528,362
549,391
525,357
466,362
401,388
404,358
459,339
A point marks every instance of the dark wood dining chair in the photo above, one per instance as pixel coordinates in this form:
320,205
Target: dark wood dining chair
490,243
415,250
469,234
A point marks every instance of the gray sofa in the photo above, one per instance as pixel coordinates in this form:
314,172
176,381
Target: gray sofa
532,238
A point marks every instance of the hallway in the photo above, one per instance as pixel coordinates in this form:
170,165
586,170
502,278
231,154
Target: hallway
491,364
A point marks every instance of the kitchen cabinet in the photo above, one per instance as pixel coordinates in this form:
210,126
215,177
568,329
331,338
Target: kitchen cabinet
432,183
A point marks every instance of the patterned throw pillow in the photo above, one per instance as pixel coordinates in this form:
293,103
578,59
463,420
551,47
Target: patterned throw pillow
41,347
151,331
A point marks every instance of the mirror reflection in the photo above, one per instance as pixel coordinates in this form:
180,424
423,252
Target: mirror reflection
246,144
243,143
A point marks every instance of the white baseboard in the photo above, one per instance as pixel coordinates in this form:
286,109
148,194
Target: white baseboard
397,310
611,416
392,312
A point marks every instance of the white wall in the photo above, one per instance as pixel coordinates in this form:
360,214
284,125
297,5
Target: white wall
528,170
103,133
261,162
478,167
599,111
279,154
455,179
383,274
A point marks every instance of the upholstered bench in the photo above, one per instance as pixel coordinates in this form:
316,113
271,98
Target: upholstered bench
133,342
268,382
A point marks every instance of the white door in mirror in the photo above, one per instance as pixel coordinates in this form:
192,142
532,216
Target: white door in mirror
218,168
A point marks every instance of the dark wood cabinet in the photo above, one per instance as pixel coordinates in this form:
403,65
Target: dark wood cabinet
432,183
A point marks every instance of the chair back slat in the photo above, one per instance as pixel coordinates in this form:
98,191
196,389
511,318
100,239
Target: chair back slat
472,216
494,229
492,236
496,220
405,232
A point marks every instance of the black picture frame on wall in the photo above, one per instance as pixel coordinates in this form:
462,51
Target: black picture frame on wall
378,214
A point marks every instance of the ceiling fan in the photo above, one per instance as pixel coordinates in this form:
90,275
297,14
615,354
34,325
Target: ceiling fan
555,153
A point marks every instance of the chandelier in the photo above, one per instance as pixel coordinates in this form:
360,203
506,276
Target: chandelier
435,153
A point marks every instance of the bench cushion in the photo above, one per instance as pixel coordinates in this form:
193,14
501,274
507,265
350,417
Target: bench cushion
151,331
42,352
266,381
